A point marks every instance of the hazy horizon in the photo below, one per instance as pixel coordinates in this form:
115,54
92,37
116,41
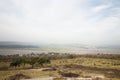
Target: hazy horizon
93,22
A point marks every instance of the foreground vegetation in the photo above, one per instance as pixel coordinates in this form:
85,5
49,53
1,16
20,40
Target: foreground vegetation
61,65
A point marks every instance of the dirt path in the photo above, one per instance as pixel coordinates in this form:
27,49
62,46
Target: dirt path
49,78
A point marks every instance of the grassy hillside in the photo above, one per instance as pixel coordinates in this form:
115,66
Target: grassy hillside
83,66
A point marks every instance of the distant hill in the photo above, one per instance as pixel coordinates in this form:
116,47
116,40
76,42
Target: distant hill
12,44
109,46
5,44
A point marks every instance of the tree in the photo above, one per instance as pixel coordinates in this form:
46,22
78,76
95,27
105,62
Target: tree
33,61
42,61
24,61
16,63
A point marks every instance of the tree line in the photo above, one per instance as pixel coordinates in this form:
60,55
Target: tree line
31,61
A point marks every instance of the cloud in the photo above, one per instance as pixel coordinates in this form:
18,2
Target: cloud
58,21
100,8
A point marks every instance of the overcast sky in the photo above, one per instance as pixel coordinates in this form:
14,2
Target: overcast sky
94,22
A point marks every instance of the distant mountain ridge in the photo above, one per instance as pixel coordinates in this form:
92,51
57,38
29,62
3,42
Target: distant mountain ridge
15,44
8,44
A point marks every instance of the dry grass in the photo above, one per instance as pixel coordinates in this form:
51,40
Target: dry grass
92,62
32,73
64,64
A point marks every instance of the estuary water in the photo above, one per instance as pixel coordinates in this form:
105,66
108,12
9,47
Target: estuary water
11,51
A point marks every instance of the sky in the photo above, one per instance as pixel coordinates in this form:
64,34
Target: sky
94,22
